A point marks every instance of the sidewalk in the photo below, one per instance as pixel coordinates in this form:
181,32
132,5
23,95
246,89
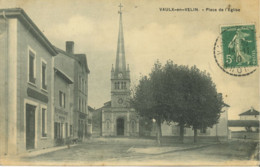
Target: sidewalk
44,151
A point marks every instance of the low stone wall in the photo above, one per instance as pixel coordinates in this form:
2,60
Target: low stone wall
169,139
245,135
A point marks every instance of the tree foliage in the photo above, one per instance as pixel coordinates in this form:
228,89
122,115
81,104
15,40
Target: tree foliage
177,93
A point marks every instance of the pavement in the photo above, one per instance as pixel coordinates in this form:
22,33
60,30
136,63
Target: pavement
43,151
131,151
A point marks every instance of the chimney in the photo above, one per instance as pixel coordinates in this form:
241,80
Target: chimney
70,47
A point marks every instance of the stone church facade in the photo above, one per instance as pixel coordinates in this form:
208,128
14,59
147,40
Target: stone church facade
118,118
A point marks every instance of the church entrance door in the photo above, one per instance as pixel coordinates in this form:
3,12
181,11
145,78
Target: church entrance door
120,126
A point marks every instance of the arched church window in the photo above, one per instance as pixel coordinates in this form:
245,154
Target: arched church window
132,126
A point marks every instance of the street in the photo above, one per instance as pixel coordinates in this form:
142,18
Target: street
124,151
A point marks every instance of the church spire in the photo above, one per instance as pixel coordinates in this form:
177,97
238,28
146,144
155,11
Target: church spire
120,54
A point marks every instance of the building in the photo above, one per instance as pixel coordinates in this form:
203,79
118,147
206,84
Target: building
90,121
63,97
247,127
220,129
44,90
250,114
78,96
97,122
118,118
26,84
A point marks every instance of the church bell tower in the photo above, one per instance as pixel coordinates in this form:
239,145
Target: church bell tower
120,75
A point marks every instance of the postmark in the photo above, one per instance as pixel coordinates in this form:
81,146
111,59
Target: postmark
235,50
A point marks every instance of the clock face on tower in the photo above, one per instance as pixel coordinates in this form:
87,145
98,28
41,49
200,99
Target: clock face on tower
120,101
120,75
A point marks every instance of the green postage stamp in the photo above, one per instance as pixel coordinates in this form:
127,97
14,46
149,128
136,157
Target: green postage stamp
239,46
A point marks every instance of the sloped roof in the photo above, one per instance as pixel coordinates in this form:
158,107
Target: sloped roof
63,75
80,58
107,104
35,31
90,109
83,59
250,112
226,105
65,53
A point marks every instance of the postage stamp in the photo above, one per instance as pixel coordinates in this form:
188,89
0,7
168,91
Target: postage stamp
235,50
239,46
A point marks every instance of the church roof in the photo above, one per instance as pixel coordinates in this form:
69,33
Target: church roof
107,104
252,111
120,54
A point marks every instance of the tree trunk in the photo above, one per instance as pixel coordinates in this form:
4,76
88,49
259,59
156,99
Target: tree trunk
195,135
159,131
181,132
160,128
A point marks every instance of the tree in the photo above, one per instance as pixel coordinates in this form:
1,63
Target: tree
204,102
176,85
191,97
178,94
148,97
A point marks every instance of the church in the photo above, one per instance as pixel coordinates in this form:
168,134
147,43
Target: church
118,118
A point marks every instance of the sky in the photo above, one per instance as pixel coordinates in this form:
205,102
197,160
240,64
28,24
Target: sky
187,38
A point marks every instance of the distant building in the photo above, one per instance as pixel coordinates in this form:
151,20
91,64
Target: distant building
247,127
26,84
90,120
118,118
220,129
250,114
97,122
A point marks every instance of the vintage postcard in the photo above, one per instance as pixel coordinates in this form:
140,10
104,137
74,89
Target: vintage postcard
128,82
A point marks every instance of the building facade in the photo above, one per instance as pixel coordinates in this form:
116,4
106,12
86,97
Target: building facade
63,97
44,90
78,94
27,84
118,118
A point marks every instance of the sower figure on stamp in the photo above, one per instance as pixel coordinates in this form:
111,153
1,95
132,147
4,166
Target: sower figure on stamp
236,43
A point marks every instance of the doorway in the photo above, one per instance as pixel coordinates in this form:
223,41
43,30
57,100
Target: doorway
120,126
30,126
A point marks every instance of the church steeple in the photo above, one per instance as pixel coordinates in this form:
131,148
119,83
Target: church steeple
120,75
120,54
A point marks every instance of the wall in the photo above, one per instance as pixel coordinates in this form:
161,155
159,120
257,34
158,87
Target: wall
80,114
62,62
65,116
249,117
26,40
3,86
241,135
